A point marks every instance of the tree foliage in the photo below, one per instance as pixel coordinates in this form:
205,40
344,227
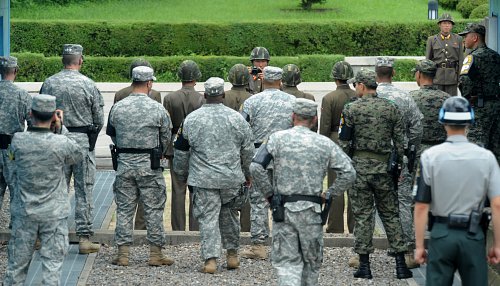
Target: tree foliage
307,4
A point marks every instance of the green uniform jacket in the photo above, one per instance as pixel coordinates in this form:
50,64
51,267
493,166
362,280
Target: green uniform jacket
124,92
331,109
235,97
448,54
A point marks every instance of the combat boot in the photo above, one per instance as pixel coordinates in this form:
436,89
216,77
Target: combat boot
402,271
233,262
364,270
122,258
86,246
410,261
156,258
257,251
210,266
354,261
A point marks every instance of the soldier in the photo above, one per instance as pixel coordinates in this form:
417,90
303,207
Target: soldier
139,223
42,202
456,177
14,111
413,135
331,109
428,99
291,78
267,112
216,171
446,50
140,128
372,127
81,107
479,83
179,104
297,248
234,98
260,59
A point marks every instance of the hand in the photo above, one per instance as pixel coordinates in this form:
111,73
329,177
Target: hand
421,255
494,255
248,182
56,124
60,114
323,197
260,75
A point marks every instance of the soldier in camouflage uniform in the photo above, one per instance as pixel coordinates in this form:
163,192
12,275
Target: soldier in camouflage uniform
81,107
137,124
239,77
179,104
260,59
446,50
413,134
42,202
300,162
213,152
14,111
372,126
429,100
479,83
139,223
331,109
267,112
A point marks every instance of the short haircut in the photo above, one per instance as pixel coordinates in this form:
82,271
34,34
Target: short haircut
42,116
456,127
4,71
304,117
70,59
384,72
139,83
428,75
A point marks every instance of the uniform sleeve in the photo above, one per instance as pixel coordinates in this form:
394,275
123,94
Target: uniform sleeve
156,95
398,134
259,174
325,125
247,149
428,49
165,129
461,53
27,109
494,177
181,158
341,164
73,152
414,123
426,169
346,120
97,107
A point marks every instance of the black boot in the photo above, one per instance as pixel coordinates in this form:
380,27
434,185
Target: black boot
402,271
364,267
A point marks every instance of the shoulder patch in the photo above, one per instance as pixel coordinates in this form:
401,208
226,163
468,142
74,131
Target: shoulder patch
468,61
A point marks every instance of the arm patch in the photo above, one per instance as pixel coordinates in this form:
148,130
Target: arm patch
181,143
423,194
467,64
345,132
262,157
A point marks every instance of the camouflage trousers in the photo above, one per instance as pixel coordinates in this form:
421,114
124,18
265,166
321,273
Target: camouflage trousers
486,128
405,198
53,235
83,174
217,220
297,248
130,187
259,216
372,191
7,175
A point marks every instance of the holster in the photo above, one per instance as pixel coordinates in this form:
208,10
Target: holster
156,154
411,154
278,208
114,156
430,222
393,167
326,208
240,200
92,133
5,141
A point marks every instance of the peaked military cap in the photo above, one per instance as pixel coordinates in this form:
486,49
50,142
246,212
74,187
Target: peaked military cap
8,62
305,107
291,75
72,49
143,73
384,62
446,17
272,73
473,28
43,103
214,86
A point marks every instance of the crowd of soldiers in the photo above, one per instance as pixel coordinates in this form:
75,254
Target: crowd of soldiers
240,153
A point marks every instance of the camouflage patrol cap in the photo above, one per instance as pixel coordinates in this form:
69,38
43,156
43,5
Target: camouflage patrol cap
272,73
474,28
188,71
446,17
8,62
142,74
43,103
259,53
214,86
366,77
291,75
384,62
342,71
238,75
427,67
72,49
305,107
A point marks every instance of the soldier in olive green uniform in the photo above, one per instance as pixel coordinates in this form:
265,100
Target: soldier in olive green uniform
479,83
446,50
260,59
373,126
331,109
291,78
179,104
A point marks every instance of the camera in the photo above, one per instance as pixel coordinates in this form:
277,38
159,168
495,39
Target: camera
256,71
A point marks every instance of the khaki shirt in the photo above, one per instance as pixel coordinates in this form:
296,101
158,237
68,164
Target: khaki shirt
124,92
331,109
293,90
235,97
448,54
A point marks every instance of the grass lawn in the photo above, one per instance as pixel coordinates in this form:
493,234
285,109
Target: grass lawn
179,11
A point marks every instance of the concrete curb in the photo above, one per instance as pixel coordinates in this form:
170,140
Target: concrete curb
87,269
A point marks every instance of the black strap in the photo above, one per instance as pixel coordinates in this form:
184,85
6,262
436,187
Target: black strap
296,198
257,145
441,219
133,150
5,140
82,129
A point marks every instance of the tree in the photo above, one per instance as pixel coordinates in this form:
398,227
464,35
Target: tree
307,4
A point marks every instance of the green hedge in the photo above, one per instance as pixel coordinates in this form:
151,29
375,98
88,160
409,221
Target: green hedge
238,39
465,7
27,3
315,68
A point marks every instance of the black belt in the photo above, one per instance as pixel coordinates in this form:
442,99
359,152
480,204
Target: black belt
296,198
432,142
133,150
441,219
257,145
5,140
448,65
83,129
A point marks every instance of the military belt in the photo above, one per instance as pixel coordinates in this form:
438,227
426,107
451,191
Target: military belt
5,140
296,198
82,129
371,155
133,150
432,142
448,65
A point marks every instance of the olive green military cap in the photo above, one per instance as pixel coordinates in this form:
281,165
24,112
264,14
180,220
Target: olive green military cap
291,75
342,71
214,86
272,73
259,53
188,71
366,77
446,17
8,62
72,49
426,66
43,103
238,75
384,62
142,74
305,107
474,28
